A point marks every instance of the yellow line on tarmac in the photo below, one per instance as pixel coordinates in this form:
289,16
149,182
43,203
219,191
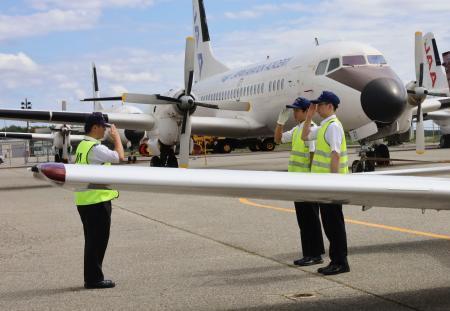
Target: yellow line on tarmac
355,222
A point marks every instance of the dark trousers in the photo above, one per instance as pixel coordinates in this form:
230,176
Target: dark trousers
334,227
310,228
96,225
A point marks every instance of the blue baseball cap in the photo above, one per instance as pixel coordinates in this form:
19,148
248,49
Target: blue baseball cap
96,118
327,97
300,103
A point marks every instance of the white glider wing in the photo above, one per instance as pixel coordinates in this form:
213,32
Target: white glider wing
357,189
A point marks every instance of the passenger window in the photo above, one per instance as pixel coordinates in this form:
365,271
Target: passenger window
270,86
262,88
321,68
282,84
278,85
259,89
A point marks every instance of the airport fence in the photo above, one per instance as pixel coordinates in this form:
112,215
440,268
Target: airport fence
17,153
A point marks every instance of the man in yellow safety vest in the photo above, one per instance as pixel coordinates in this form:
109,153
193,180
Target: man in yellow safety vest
94,206
300,162
330,157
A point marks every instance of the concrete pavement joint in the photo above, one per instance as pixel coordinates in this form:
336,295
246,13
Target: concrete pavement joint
237,248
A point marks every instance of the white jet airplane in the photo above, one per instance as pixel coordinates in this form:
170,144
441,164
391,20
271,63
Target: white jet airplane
245,102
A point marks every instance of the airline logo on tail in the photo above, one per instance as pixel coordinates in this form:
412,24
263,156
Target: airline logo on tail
430,62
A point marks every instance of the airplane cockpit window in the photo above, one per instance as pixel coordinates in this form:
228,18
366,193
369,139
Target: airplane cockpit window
354,60
334,63
321,68
376,59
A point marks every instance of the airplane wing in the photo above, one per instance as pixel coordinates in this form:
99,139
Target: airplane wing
228,127
37,136
357,189
121,120
433,104
438,115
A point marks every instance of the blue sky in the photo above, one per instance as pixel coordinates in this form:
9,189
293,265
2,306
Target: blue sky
47,46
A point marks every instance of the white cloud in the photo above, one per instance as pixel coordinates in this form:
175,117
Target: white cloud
88,4
13,27
17,63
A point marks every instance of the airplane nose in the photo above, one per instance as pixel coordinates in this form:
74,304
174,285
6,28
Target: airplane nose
384,100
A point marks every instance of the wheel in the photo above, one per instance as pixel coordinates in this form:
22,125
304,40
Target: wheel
172,161
268,145
134,159
382,151
57,158
224,147
362,166
256,146
129,159
444,141
357,166
155,162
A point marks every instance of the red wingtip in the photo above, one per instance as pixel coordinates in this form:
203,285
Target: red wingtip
53,171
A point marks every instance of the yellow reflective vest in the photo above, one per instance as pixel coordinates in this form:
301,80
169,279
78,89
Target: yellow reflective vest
299,160
322,156
90,197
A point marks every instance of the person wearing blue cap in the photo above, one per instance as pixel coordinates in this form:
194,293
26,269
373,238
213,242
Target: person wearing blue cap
94,206
330,157
300,161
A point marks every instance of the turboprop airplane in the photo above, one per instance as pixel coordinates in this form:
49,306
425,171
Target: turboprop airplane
245,102
61,135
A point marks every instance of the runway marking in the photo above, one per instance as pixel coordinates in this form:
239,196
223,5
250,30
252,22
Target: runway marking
355,222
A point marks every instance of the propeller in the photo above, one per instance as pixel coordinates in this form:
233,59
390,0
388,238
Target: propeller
186,104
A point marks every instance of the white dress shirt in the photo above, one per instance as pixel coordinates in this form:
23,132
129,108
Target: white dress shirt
100,154
334,134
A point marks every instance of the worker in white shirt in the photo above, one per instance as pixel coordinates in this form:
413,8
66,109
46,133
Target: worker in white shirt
94,205
300,162
330,157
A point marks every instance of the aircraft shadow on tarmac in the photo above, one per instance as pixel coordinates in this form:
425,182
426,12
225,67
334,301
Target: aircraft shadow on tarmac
40,292
438,249
430,299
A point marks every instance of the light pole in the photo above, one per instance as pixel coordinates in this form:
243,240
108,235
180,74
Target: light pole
26,105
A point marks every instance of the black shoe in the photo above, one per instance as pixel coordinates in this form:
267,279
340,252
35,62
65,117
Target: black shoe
308,261
101,284
333,269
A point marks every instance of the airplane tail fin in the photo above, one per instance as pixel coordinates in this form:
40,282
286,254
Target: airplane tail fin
206,65
446,58
435,78
96,92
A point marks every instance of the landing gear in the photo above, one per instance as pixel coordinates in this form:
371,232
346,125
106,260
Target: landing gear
223,146
444,141
268,144
167,157
371,156
132,159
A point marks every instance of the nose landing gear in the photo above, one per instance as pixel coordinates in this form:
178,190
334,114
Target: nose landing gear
371,157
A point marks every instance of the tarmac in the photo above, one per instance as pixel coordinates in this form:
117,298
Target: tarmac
171,252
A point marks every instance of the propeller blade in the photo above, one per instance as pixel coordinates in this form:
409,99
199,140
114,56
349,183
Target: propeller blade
183,126
420,132
418,54
189,65
94,72
185,139
102,99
